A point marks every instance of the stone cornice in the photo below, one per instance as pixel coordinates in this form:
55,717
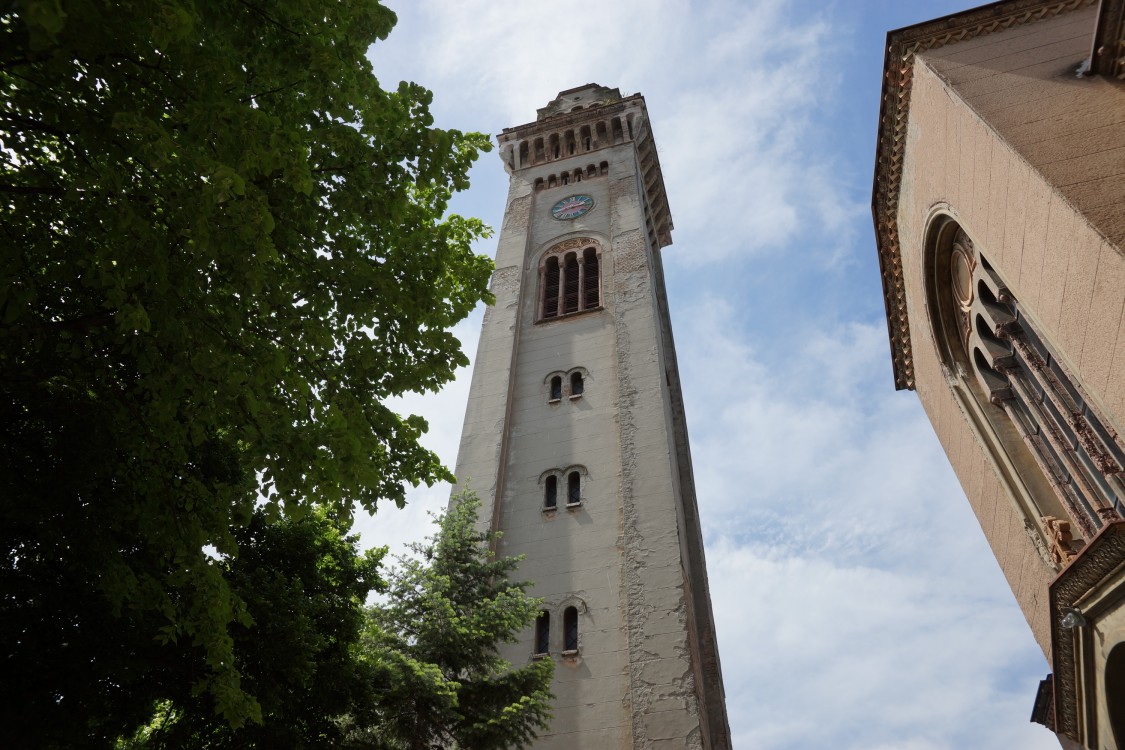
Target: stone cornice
1098,561
568,119
898,70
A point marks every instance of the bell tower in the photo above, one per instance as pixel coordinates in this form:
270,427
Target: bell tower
575,438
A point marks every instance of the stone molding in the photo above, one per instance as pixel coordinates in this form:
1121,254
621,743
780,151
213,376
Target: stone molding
898,71
1099,560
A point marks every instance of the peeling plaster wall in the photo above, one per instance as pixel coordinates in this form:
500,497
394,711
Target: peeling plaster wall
626,555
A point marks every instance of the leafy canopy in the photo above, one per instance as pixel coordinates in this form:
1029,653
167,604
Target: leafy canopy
224,247
419,670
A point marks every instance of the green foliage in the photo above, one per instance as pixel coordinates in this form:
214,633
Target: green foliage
224,247
419,670
434,646
304,584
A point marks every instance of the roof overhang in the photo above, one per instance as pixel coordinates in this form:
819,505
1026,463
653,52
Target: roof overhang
894,108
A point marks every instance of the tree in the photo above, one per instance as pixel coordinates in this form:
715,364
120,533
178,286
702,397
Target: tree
304,583
418,670
223,250
434,643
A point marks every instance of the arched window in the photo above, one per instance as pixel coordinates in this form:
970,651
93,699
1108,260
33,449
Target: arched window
1115,692
571,283
570,630
592,279
556,388
1038,413
543,634
551,288
577,387
570,280
573,488
551,492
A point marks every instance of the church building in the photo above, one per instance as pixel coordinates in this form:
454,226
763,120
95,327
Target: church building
999,210
575,437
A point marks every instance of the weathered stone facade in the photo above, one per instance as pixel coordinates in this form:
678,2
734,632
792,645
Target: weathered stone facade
622,545
999,206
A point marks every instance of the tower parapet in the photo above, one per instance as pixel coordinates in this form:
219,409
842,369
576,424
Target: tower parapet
584,121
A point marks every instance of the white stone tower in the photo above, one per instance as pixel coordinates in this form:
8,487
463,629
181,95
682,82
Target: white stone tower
575,436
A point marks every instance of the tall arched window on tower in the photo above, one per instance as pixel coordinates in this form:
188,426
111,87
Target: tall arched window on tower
556,389
551,287
543,634
570,283
570,631
573,489
592,278
551,492
570,279
1066,466
577,386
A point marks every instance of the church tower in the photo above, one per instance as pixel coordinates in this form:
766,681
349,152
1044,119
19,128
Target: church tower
575,438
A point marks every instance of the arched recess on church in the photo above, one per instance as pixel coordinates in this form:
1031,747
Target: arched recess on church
570,278
1047,441
1115,692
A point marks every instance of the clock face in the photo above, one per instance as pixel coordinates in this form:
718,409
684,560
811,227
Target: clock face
572,207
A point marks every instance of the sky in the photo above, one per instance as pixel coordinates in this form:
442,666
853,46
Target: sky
857,604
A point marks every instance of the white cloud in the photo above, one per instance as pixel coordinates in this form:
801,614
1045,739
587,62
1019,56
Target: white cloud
734,90
856,602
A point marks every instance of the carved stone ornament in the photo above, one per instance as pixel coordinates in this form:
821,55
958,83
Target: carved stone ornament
1101,559
572,244
1059,540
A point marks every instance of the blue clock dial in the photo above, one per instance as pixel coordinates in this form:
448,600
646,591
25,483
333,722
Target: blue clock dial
572,207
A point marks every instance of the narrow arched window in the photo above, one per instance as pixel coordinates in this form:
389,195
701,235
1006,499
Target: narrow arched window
551,288
591,171
565,178
570,630
570,280
1115,692
603,168
577,387
543,633
573,489
591,279
570,283
551,493
556,388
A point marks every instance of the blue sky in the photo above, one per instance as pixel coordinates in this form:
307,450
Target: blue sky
856,601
